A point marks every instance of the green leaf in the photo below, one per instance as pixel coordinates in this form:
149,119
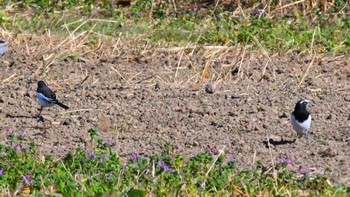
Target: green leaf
136,193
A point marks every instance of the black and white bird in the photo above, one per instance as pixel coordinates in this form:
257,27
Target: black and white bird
47,97
301,118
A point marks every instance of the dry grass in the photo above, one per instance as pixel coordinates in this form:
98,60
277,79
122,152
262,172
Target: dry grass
49,48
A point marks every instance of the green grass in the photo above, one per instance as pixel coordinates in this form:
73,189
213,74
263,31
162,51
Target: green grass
324,32
97,170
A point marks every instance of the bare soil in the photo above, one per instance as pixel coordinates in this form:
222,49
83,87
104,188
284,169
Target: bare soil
140,101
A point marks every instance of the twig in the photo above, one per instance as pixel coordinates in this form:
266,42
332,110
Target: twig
115,70
239,190
78,110
290,4
265,53
217,157
9,78
176,49
306,72
178,63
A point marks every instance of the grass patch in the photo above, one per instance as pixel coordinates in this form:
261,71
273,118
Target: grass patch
96,169
294,29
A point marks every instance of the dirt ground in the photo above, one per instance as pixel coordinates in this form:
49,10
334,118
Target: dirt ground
140,101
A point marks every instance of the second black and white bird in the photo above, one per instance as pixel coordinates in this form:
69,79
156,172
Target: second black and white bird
47,97
301,118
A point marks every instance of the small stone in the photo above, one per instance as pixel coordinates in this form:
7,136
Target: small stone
209,89
157,86
67,121
246,149
234,71
329,152
233,142
282,115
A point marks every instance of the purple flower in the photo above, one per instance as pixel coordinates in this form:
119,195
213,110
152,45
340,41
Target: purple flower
25,148
165,167
9,131
18,148
3,153
322,173
288,161
147,171
110,143
23,133
110,175
281,160
284,161
91,154
171,170
1,171
26,180
202,186
303,170
160,163
135,156
286,180
102,158
126,163
229,159
211,152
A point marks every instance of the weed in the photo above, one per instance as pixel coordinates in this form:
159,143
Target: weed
97,170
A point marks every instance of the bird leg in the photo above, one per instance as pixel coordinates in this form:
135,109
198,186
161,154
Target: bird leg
296,137
39,114
306,136
41,118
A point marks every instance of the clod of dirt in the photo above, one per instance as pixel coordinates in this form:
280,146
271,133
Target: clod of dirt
245,148
67,121
329,152
209,89
157,86
282,115
234,71
24,93
347,99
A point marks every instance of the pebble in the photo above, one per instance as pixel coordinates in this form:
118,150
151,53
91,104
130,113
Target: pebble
209,89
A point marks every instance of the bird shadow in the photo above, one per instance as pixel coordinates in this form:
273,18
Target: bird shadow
19,116
39,117
277,142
